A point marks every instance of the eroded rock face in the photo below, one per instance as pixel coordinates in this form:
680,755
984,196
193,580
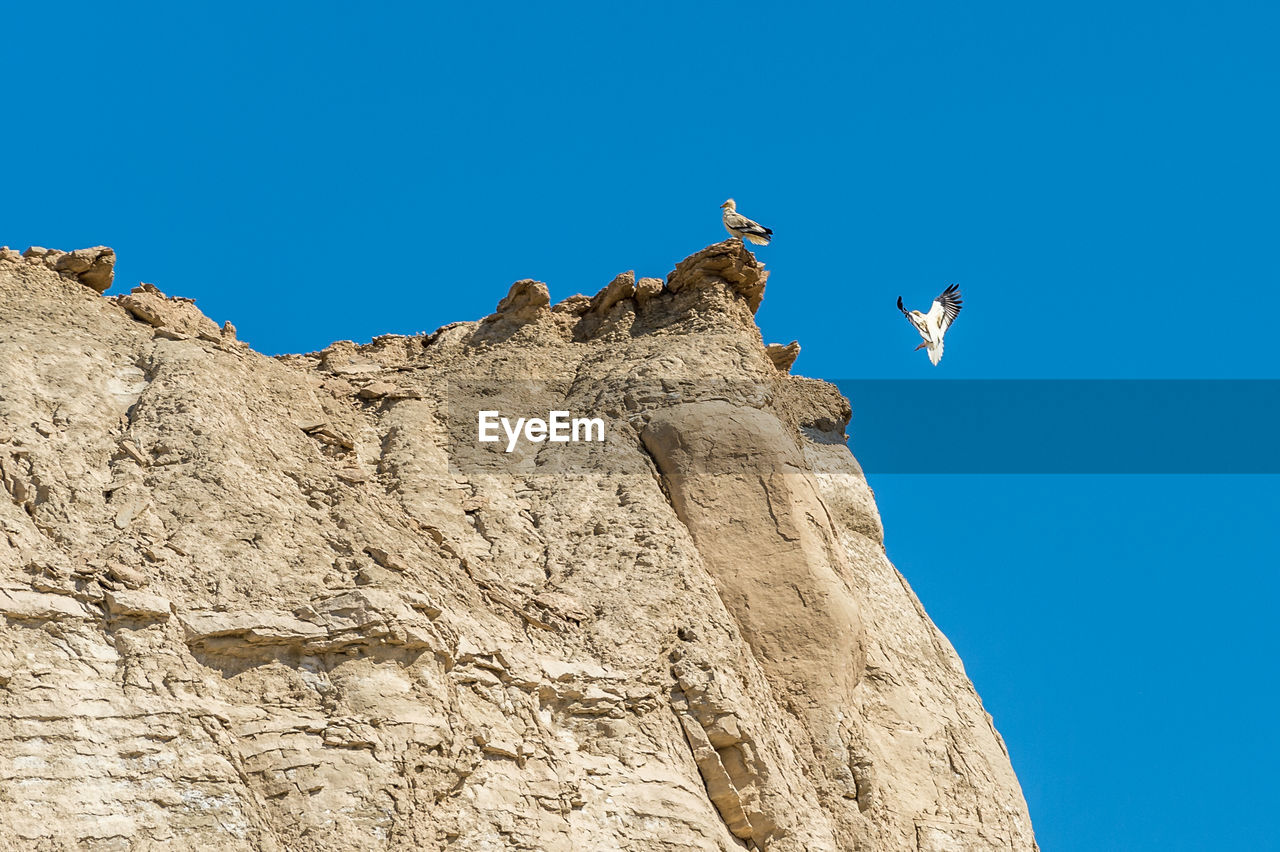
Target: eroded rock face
175,319
254,603
93,267
783,356
738,480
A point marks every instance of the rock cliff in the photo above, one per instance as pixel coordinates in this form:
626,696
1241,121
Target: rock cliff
290,604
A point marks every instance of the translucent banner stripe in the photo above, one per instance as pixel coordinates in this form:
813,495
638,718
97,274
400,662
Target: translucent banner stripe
1065,426
897,426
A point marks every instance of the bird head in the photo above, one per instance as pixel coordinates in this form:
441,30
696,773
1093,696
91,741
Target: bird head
728,205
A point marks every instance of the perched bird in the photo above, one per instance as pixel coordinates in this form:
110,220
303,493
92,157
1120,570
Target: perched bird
740,226
933,325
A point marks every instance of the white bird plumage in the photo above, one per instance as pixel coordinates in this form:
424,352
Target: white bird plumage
933,325
740,226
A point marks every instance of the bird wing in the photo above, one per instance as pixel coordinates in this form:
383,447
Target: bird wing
945,308
738,222
920,327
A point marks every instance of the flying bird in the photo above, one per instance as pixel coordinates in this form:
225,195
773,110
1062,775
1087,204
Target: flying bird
933,325
740,226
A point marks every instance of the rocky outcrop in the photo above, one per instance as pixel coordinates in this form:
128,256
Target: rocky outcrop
174,319
783,357
92,267
255,603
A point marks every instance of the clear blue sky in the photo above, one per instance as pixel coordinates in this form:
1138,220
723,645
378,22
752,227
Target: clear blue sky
1100,178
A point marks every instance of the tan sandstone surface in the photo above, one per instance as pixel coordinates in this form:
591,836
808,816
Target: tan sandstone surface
291,604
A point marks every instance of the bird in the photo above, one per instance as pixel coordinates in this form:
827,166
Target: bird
740,226
933,325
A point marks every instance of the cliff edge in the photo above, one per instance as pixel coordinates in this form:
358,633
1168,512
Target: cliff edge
291,604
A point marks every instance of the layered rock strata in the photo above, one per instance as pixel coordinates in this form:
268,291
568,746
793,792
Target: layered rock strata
270,604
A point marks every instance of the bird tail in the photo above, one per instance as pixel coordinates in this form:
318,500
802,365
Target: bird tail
760,240
935,353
